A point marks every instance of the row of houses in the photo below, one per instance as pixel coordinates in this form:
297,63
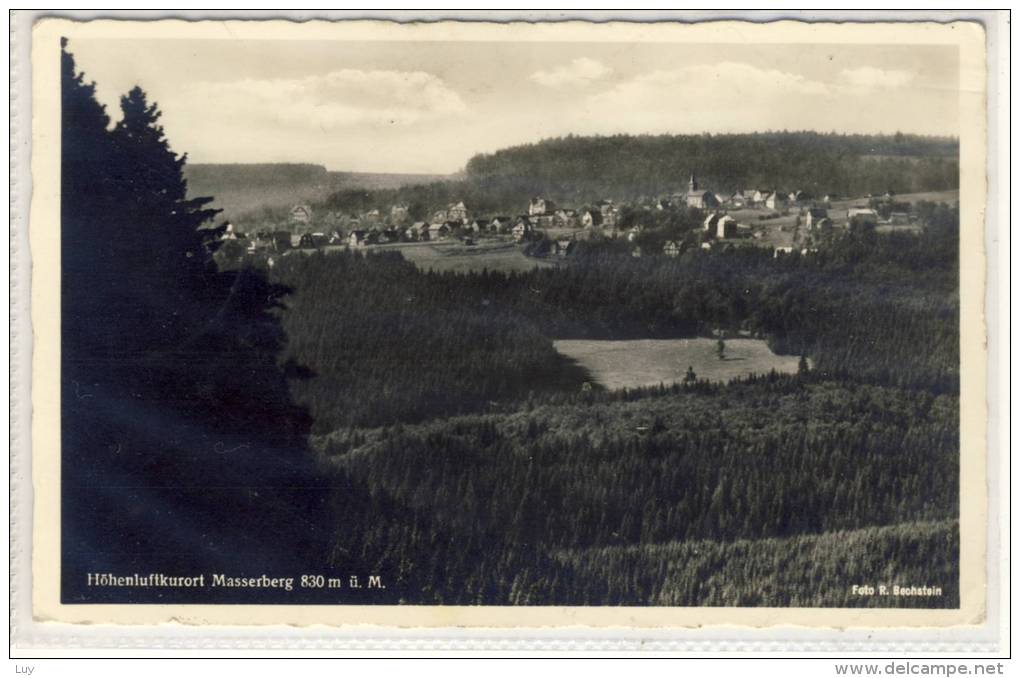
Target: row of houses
756,198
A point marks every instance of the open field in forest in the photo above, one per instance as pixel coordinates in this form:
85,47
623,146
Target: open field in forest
649,362
451,255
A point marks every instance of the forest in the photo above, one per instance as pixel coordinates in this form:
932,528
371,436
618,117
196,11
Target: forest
612,485
388,342
346,413
578,171
539,488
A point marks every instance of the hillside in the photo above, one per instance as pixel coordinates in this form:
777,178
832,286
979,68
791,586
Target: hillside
630,166
578,171
245,188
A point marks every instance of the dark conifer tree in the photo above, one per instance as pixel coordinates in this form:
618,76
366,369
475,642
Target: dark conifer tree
172,385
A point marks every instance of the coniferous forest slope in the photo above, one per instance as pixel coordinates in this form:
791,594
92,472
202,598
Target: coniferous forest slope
388,343
652,165
773,490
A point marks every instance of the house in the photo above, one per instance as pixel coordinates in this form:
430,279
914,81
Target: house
897,218
591,218
357,238
439,216
543,220
458,211
439,231
862,213
500,224
710,221
702,200
566,217
373,215
726,227
609,212
301,214
313,241
777,200
230,233
419,230
523,229
663,204
758,197
813,215
782,251
398,213
336,238
672,248
540,206
737,199
699,198
478,225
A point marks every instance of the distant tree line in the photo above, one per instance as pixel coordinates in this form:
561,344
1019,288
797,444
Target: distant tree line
578,171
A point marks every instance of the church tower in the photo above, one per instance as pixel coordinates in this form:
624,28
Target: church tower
692,185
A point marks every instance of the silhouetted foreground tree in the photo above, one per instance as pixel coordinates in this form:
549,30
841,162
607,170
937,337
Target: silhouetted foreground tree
181,446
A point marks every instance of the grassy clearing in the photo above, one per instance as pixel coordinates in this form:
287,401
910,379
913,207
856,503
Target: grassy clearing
454,256
649,362
491,255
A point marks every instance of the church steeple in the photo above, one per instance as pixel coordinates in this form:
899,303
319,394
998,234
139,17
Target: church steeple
692,185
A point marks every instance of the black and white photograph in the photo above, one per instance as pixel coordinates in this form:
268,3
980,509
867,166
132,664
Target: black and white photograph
515,316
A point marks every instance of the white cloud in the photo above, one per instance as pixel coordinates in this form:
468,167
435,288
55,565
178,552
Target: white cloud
337,99
579,72
732,96
725,80
869,77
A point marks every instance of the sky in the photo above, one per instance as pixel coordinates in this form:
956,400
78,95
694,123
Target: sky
429,106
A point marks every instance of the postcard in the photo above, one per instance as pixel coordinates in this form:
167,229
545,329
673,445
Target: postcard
650,325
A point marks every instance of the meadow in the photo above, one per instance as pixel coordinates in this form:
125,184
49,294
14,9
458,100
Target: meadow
636,363
455,257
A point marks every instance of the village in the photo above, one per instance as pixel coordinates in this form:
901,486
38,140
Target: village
783,221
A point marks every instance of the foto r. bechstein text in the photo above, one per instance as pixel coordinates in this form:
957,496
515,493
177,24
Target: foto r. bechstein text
896,590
